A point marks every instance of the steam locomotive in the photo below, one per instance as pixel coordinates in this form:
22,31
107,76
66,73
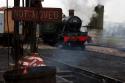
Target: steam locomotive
67,31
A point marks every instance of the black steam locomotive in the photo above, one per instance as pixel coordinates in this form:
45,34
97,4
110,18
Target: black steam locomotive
67,31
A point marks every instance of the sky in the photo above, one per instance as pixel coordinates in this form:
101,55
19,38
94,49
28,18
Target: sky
114,9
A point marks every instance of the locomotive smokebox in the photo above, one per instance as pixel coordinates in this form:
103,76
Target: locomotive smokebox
71,12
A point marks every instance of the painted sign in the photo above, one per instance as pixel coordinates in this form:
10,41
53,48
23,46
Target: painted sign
37,14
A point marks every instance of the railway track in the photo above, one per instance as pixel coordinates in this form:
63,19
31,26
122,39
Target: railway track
73,74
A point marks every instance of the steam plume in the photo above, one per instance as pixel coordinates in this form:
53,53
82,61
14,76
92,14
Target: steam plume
83,8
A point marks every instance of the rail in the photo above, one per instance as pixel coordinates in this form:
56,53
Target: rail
82,75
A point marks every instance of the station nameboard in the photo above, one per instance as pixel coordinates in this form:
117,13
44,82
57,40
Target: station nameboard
37,14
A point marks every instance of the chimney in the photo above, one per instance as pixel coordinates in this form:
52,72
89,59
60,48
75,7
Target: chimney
71,12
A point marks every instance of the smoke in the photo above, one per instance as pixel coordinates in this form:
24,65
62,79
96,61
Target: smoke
102,2
83,8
